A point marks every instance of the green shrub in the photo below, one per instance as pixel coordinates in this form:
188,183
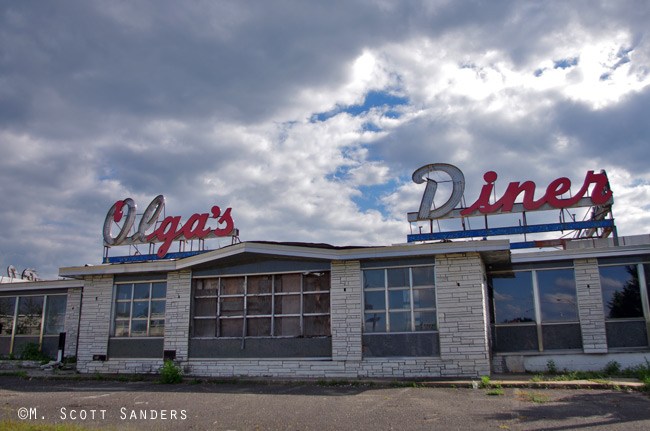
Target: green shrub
612,368
32,352
170,373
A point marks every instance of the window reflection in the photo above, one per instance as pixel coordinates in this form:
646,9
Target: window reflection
557,295
513,297
621,292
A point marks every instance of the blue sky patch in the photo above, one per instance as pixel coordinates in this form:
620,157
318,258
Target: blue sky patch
566,63
373,99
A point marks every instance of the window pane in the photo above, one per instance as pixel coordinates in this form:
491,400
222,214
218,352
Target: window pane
260,284
287,326
287,283
375,322
260,327
141,291
232,286
423,276
30,312
205,327
562,337
205,307
138,328
159,290
122,328
123,310
513,297
373,278
399,299
232,306
287,304
316,303
424,298
123,291
140,309
316,326
398,277
516,338
157,309
258,305
621,292
557,295
207,287
316,281
231,327
55,314
157,328
375,300
425,320
7,310
400,322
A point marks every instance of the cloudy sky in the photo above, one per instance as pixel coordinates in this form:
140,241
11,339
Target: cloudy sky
308,118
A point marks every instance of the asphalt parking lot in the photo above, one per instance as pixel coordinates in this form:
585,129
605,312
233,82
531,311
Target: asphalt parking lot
245,406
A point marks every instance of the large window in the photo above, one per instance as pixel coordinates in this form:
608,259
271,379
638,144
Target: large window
535,310
140,309
30,319
625,300
399,299
280,305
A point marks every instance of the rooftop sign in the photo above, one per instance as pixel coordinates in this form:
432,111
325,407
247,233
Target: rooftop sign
169,230
601,195
553,198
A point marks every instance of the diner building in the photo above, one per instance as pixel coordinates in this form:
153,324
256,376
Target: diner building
298,310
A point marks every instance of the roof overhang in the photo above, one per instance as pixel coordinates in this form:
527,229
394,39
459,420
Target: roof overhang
496,250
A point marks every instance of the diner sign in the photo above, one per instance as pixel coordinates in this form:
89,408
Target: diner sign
552,198
169,230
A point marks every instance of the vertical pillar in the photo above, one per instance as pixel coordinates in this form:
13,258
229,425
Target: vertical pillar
462,316
346,311
177,313
71,324
95,319
590,306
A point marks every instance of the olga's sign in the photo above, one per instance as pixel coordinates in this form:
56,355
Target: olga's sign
169,230
600,195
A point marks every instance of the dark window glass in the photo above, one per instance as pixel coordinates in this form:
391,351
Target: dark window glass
373,278
425,320
513,297
516,338
423,276
398,277
157,309
621,292
374,300
30,312
55,314
424,298
557,295
141,291
124,291
399,299
140,310
400,322
7,310
375,322
138,328
159,290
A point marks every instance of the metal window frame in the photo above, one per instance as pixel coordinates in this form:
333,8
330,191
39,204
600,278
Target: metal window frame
412,309
301,293
537,305
131,301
